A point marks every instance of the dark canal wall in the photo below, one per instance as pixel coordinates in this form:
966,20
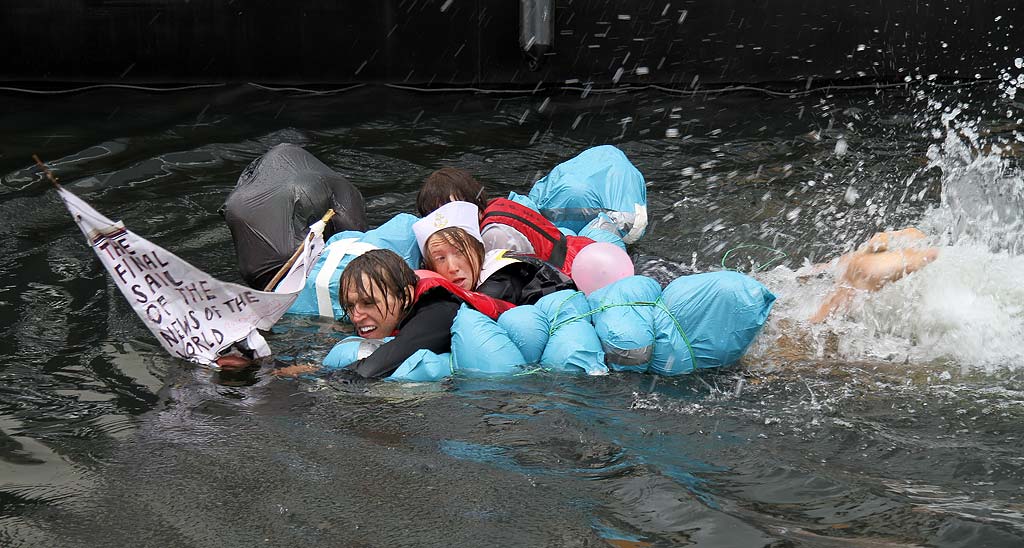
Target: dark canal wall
480,42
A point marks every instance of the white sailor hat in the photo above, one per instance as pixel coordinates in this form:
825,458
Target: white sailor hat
462,215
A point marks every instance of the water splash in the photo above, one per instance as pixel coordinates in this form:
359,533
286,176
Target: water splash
982,190
968,306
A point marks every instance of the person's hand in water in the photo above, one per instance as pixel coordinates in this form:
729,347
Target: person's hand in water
339,376
236,357
295,370
232,362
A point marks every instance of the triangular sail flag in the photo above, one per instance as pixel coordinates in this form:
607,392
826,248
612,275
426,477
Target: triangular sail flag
192,314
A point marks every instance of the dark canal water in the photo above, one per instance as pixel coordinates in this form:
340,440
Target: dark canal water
899,425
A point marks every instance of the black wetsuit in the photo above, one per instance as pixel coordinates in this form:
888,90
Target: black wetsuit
428,325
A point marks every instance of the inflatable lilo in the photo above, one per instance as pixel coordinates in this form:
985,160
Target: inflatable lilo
598,194
697,322
562,330
600,188
275,200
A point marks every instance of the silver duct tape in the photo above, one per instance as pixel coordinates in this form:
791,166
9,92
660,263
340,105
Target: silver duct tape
367,347
633,356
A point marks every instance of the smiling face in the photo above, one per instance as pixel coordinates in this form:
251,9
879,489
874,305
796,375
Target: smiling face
451,254
377,292
375,314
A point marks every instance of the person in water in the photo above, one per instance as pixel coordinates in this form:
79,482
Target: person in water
452,246
504,224
885,258
383,297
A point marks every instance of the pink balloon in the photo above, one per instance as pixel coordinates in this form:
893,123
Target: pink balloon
600,264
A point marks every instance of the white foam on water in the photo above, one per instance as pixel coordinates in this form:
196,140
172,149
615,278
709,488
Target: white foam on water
967,307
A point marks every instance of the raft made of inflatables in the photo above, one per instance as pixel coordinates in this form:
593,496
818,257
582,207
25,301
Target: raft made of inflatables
697,322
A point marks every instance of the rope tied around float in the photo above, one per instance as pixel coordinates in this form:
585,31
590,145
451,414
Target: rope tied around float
657,303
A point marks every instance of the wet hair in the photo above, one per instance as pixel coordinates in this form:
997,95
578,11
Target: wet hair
462,241
384,270
449,184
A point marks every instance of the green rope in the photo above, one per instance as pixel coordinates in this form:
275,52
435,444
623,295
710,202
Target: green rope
558,310
659,303
593,311
693,357
780,255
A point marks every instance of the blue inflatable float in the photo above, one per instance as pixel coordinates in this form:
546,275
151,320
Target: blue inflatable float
698,322
599,187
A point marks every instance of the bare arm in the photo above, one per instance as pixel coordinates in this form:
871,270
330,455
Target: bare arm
873,266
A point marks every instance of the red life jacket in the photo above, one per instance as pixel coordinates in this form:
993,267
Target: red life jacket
549,244
488,306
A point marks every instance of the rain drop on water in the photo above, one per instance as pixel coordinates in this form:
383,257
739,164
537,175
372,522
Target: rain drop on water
841,147
851,195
